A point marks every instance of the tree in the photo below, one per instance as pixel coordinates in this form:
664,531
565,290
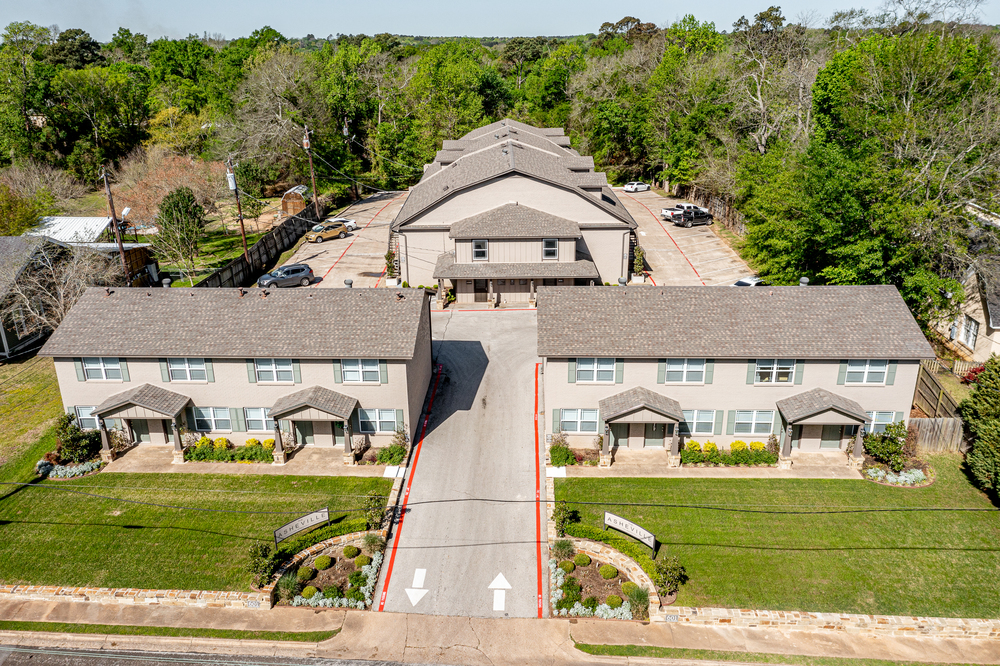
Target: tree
21,96
126,46
179,222
984,458
18,213
250,178
982,407
74,49
519,53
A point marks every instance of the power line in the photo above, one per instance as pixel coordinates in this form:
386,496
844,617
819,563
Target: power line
405,166
346,176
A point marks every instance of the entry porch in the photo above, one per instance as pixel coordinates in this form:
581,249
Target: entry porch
821,421
147,414
640,419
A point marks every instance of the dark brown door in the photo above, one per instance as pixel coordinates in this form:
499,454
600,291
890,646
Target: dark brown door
480,290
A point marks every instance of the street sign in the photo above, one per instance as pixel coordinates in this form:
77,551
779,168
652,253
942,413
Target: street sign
630,528
299,524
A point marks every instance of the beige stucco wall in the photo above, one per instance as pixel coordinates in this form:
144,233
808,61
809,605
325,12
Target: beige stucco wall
728,391
418,373
988,341
527,250
608,249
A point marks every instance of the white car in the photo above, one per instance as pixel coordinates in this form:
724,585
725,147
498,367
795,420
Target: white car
752,281
350,224
636,186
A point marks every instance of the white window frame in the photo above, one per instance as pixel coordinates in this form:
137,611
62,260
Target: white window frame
877,421
685,371
869,374
218,419
485,250
271,365
769,370
101,368
86,414
254,415
578,421
759,422
376,419
549,253
969,332
360,370
602,370
187,370
698,422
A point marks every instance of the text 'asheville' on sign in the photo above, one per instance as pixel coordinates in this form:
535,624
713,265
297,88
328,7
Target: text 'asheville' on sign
299,524
630,528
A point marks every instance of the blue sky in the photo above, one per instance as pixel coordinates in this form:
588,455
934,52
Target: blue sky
235,18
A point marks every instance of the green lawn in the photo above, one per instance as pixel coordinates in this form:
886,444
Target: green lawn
743,657
185,632
53,537
899,563
216,249
29,403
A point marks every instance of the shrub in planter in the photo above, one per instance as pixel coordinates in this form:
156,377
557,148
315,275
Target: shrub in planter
608,572
350,552
76,445
711,448
738,445
691,457
757,446
638,597
563,549
591,603
260,563
613,601
669,575
561,456
323,562
772,445
567,566
372,543
887,447
221,444
362,561
391,455
204,443
572,593
581,560
253,441
692,446
628,586
268,444
288,586
309,592
305,574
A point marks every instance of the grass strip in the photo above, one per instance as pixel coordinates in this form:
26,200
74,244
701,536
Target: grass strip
746,657
179,632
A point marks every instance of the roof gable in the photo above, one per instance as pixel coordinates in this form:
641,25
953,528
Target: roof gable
514,221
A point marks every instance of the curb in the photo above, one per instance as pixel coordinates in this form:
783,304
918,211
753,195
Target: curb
114,642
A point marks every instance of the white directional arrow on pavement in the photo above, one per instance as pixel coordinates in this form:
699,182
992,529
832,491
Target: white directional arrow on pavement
499,583
417,594
499,587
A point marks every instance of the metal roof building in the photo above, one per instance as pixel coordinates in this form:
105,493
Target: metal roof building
71,229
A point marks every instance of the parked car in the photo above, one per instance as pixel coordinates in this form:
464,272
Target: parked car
350,224
287,276
636,186
326,230
689,218
752,281
679,210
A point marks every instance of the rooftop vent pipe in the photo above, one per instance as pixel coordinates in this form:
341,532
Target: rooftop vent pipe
622,281
349,283
803,282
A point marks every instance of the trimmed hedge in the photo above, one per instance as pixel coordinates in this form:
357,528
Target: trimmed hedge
305,574
362,561
608,571
309,592
567,566
613,601
620,544
212,453
580,559
350,552
323,562
289,548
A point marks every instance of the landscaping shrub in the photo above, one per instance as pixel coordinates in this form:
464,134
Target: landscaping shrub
204,442
362,560
757,446
984,458
562,516
591,603
608,572
561,456
692,446
75,445
669,575
567,566
253,442
268,444
613,600
372,543
391,455
638,597
628,586
619,543
563,549
45,468
305,574
738,445
221,444
288,586
212,453
374,509
908,478
711,448
323,562
309,592
773,446
581,560
572,593
689,457
260,563
887,447
296,545
350,552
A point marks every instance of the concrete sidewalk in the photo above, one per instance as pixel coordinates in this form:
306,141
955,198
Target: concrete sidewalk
653,463
304,461
465,641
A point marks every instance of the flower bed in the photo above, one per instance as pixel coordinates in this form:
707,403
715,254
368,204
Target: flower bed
222,450
576,595
911,478
740,453
45,468
358,594
562,455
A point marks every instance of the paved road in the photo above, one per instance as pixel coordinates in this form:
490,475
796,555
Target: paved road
24,655
679,256
471,511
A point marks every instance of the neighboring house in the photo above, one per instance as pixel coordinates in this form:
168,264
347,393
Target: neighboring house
653,366
975,333
324,364
71,229
506,209
16,254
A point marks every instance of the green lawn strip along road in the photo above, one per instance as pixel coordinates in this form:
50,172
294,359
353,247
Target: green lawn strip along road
746,657
181,632
928,563
53,537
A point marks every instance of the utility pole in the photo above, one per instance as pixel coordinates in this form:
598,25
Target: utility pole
312,172
114,223
231,180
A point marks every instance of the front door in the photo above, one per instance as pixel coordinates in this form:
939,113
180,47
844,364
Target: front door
480,290
832,435
796,436
304,432
338,433
619,434
140,431
654,434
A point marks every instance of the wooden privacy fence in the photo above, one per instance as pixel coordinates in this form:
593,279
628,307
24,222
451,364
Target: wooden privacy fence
939,435
932,398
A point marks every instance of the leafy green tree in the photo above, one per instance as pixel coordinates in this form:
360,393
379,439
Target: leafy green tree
22,86
126,46
518,54
74,49
251,179
180,222
18,213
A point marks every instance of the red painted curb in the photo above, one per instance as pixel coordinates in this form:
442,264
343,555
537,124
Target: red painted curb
668,236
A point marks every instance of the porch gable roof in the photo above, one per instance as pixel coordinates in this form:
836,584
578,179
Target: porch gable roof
316,397
638,398
816,401
148,396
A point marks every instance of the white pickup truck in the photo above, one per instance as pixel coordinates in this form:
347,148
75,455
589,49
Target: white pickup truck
678,211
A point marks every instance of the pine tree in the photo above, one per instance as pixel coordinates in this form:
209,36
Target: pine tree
983,406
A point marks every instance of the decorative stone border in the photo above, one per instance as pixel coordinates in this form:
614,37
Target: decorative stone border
880,625
137,597
625,564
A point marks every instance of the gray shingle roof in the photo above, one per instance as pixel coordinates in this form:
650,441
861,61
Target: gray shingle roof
514,221
638,398
810,403
840,322
218,323
506,123
15,251
151,397
317,397
446,268
451,150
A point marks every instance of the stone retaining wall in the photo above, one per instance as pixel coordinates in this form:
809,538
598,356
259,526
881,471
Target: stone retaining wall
137,597
626,565
879,625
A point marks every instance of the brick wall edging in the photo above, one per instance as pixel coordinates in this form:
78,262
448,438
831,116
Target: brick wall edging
137,597
625,564
880,625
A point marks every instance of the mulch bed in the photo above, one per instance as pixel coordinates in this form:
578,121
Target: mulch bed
911,464
595,586
336,575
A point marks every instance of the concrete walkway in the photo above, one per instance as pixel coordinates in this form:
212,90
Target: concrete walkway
458,640
653,463
307,461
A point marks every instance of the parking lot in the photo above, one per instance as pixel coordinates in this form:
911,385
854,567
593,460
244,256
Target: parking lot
679,256
360,256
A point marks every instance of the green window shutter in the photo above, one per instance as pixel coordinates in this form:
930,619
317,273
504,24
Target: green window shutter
555,420
718,422
600,424
619,370
80,377
123,364
571,375
731,422
189,416
661,371
355,421
383,372
236,416
842,373
338,372
296,371
800,368
164,370
399,418
709,371
890,375
251,371
776,428
209,370
751,370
